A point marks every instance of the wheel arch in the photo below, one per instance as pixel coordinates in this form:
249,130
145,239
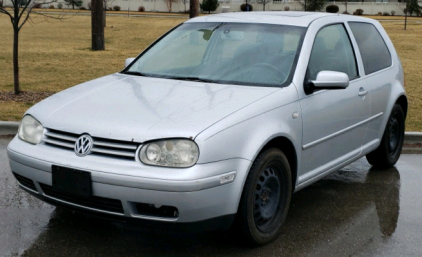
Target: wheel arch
286,146
402,101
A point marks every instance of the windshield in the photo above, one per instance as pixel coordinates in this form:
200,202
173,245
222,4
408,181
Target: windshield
230,53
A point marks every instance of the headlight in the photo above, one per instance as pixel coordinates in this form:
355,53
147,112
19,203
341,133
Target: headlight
170,153
30,130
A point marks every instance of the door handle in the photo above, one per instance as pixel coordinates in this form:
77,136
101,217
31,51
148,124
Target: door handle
362,92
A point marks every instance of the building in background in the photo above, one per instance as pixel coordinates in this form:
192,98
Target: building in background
179,6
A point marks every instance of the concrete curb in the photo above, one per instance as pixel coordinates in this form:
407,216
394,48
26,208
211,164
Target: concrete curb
8,128
412,143
411,138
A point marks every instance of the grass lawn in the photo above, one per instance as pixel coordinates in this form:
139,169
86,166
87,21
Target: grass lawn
55,55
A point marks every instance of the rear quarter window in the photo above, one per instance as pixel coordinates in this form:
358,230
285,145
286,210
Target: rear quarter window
374,51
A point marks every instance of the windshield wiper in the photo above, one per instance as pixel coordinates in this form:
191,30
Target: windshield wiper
193,79
137,73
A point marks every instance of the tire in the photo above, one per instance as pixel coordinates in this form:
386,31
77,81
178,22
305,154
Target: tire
388,153
265,198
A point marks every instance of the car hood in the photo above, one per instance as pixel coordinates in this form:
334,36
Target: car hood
133,108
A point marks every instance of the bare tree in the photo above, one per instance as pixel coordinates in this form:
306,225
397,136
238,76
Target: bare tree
184,3
263,2
170,4
345,4
108,3
19,13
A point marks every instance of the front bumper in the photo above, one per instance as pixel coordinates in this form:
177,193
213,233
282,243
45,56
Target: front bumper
195,192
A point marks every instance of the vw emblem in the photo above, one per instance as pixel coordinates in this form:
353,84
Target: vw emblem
83,145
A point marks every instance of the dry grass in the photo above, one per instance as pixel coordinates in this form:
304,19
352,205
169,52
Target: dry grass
399,18
409,47
55,55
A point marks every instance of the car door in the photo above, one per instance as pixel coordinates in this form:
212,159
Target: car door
334,121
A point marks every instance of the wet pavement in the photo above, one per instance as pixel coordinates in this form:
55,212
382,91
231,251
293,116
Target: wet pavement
357,211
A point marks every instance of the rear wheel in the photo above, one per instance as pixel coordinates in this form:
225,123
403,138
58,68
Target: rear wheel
266,198
388,153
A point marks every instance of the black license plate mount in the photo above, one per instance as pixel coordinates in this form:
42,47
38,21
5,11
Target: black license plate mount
72,181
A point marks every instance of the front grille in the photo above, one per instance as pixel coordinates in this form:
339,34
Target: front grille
102,146
25,181
95,202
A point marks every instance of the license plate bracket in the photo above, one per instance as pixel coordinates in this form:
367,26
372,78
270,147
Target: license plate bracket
72,181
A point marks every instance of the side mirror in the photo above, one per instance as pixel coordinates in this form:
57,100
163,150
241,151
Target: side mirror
328,80
129,61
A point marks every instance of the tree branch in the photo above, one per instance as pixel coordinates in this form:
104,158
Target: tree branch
2,10
24,9
54,1
46,16
58,17
26,18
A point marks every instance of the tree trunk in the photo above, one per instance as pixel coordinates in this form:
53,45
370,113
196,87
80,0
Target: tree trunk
194,6
405,20
17,86
97,25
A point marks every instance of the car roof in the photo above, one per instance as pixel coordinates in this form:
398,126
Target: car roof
301,19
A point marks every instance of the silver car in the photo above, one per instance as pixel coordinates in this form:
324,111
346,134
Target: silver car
219,120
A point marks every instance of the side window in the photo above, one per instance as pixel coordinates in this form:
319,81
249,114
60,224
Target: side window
374,52
332,51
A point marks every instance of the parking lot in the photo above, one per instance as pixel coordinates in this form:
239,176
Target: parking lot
357,211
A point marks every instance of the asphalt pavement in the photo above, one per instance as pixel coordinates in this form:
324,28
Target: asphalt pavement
357,211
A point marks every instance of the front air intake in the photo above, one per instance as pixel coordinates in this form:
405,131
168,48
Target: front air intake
159,211
26,182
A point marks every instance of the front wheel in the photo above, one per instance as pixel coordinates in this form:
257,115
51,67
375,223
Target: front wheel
265,198
388,153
